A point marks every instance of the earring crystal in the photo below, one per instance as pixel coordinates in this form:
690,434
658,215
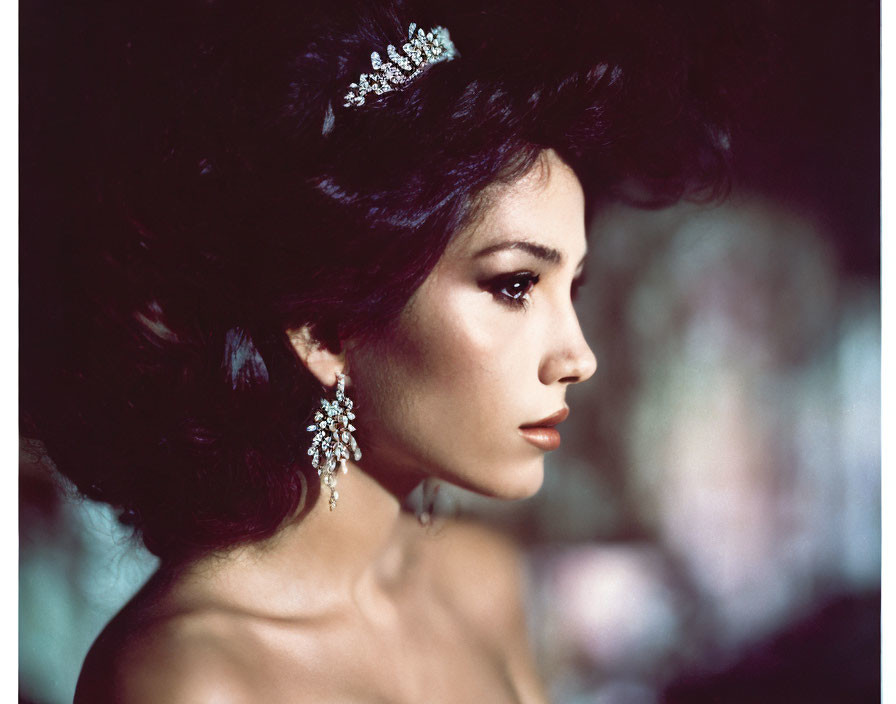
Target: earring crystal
333,441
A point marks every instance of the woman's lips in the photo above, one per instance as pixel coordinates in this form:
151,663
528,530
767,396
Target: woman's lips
542,433
543,438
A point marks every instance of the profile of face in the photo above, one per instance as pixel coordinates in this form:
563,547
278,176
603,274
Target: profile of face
486,346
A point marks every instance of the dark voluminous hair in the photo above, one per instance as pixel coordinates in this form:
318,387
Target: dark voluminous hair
193,187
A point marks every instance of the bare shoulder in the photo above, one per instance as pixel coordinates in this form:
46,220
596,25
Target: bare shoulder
176,659
480,571
165,649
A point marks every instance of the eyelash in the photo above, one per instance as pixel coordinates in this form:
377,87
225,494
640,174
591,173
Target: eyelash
517,297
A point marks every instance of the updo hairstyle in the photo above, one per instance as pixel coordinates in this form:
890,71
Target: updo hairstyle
194,187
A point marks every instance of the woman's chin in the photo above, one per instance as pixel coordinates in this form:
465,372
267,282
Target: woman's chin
519,481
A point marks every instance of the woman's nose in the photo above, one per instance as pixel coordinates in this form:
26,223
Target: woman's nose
568,358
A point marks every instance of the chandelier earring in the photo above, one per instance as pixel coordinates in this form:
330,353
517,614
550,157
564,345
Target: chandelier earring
333,441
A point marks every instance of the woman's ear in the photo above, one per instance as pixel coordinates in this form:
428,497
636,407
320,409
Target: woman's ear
322,362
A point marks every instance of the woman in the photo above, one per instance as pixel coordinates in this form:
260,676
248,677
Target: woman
254,212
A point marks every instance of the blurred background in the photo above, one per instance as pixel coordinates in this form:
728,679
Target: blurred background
710,529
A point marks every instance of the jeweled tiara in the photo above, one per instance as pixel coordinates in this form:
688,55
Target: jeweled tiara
421,50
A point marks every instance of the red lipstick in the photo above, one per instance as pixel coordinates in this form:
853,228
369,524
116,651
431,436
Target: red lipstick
542,433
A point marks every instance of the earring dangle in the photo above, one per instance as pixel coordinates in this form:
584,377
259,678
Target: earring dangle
333,441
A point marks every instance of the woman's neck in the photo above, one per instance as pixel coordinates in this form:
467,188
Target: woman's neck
317,562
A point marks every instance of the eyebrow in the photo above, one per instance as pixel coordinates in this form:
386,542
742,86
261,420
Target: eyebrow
548,254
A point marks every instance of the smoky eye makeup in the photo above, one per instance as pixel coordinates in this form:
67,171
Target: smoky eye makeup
511,289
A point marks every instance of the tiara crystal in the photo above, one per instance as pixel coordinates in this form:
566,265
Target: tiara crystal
421,50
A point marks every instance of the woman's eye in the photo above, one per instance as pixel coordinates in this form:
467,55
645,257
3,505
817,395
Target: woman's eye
513,289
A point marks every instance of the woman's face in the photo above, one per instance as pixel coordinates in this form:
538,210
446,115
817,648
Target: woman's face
486,346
